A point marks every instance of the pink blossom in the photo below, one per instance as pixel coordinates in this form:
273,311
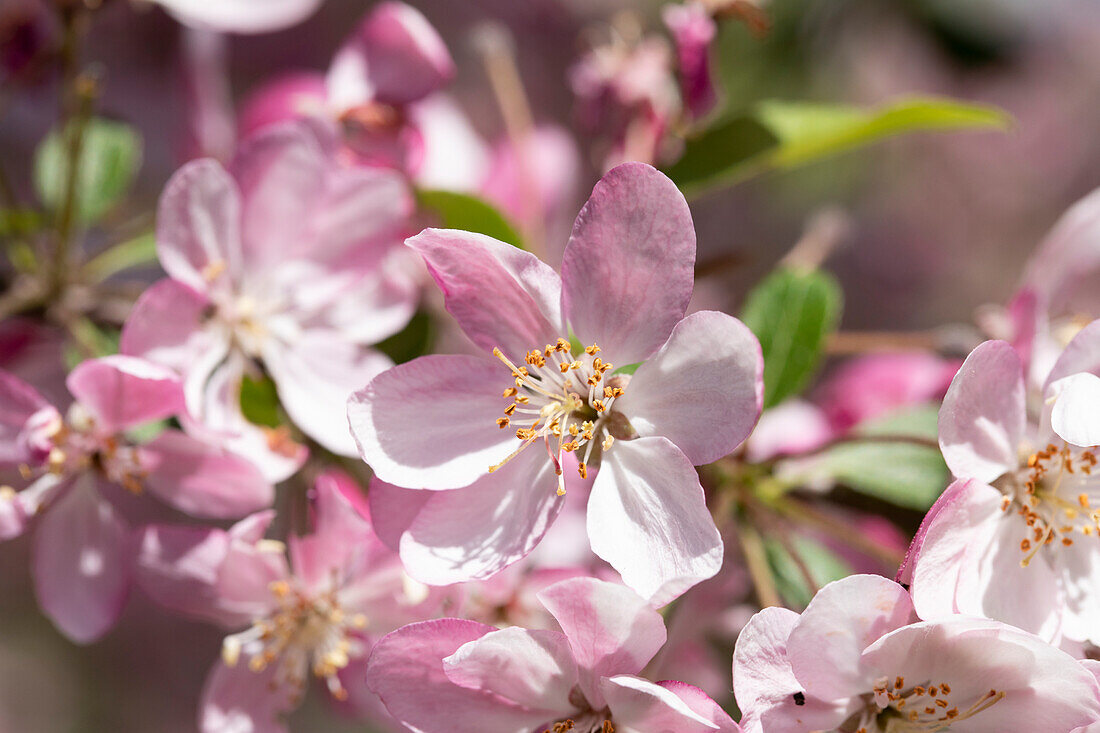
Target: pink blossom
1015,538
241,16
457,676
315,615
285,260
858,659
693,29
75,469
441,423
382,88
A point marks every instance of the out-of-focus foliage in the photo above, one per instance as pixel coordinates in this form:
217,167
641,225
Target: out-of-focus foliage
470,213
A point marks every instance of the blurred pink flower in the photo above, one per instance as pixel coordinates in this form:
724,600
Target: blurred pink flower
285,259
857,658
457,676
316,615
441,423
1015,538
693,29
71,467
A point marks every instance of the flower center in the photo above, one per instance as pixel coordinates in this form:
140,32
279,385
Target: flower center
305,634
587,723
928,707
1053,493
563,399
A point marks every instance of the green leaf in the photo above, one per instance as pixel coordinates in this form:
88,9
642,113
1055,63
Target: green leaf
823,565
89,340
110,157
469,213
141,250
792,312
260,401
414,340
903,474
776,134
921,421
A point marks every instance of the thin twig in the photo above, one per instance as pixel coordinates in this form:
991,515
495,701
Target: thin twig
803,512
756,560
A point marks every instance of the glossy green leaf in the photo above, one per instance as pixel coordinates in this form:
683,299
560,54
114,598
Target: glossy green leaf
141,250
110,156
468,213
260,401
903,474
792,312
778,134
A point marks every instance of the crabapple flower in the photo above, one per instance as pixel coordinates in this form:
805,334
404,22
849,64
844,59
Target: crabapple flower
75,471
1015,538
382,88
314,616
488,437
240,16
857,660
458,676
284,260
693,29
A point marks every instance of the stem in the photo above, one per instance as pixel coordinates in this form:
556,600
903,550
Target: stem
844,343
756,560
498,55
784,538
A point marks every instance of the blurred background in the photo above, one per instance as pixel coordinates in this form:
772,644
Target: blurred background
936,224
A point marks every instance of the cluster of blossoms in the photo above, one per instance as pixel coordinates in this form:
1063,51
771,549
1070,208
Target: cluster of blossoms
558,529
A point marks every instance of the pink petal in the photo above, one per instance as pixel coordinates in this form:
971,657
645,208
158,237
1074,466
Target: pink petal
647,517
288,97
241,16
453,156
702,705
246,574
198,227
534,669
955,494
610,629
179,568
431,423
124,391
843,619
501,296
167,325
640,706
395,57
394,509
703,390
982,417
406,670
82,563
238,699
1081,354
315,377
1075,416
476,531
693,29
1080,565
203,480
628,269
1067,258
764,684
788,429
19,401
339,531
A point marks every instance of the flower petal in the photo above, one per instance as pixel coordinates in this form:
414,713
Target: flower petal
501,296
198,227
82,563
702,705
431,422
166,326
1081,354
478,530
238,699
394,57
406,670
124,391
534,669
703,389
640,706
18,402
844,618
203,480
610,629
629,266
1075,416
982,417
393,510
647,516
241,16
